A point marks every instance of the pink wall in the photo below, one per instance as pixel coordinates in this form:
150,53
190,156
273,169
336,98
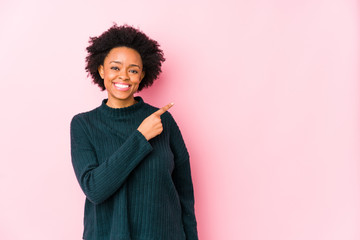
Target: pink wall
266,94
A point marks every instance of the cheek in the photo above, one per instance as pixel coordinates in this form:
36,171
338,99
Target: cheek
107,81
136,80
109,76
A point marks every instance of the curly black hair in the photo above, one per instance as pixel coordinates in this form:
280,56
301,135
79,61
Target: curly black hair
116,36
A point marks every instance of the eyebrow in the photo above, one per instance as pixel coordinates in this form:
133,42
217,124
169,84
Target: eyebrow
131,65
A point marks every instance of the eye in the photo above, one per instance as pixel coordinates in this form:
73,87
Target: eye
134,71
115,68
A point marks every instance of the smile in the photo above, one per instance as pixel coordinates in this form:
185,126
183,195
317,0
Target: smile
122,86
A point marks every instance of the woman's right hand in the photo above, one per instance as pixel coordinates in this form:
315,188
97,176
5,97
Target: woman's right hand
152,126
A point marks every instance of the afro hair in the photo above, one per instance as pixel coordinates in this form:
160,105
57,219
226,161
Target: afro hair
117,36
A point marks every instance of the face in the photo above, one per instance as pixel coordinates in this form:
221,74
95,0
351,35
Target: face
122,74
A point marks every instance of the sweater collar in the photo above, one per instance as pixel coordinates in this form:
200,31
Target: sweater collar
122,112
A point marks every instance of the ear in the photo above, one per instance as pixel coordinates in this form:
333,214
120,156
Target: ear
101,71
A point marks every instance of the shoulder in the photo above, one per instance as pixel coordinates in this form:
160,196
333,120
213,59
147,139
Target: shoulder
167,117
83,117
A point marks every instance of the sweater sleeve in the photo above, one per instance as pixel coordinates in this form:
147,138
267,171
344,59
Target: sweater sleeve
183,182
100,181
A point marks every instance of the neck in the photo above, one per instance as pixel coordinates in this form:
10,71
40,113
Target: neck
117,103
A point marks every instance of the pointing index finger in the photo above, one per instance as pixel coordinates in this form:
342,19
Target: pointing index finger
163,109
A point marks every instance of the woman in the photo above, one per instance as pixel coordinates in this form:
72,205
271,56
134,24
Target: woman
128,156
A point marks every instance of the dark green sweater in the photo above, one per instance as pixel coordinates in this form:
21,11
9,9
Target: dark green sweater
135,189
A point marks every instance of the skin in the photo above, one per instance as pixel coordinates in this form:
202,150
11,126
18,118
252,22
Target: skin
121,65
152,126
124,65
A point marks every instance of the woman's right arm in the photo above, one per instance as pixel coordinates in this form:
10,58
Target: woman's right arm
100,181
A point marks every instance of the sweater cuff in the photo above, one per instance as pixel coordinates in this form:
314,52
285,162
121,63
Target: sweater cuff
141,135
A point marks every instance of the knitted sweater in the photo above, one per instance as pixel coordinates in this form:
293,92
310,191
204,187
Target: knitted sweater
135,189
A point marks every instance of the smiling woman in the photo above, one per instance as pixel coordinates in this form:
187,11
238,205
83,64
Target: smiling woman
122,74
129,157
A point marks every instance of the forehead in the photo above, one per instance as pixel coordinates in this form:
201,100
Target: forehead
124,55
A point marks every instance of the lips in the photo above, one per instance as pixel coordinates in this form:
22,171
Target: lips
122,86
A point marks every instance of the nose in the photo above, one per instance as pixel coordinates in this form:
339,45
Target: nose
123,74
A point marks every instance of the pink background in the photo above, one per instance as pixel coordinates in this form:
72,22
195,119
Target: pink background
266,94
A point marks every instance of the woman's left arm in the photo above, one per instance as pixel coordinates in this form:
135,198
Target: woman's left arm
182,180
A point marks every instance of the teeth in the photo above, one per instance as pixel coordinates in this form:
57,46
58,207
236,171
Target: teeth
119,85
